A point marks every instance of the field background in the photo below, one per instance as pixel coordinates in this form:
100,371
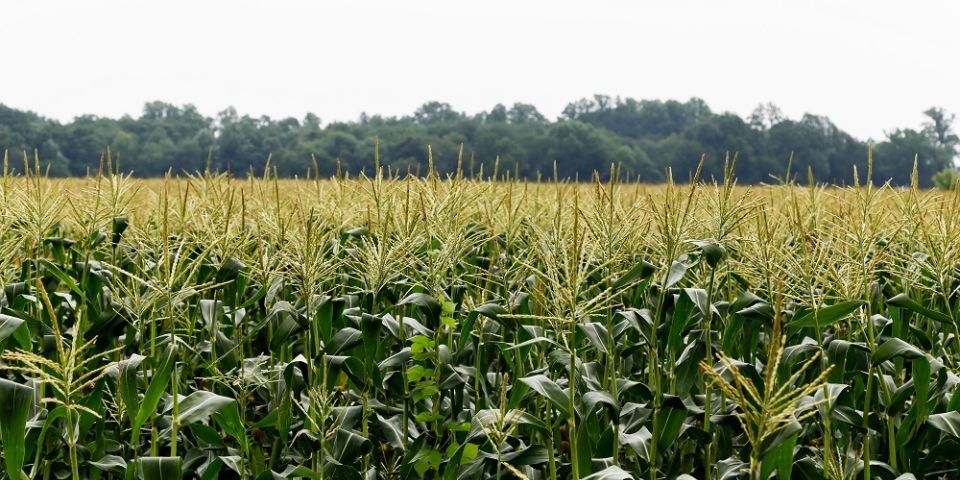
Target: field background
459,328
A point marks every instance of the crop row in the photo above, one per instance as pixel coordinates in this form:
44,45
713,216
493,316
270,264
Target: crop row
209,327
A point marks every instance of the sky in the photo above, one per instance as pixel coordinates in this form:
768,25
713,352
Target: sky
871,66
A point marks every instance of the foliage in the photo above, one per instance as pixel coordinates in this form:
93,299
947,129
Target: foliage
403,327
644,137
946,179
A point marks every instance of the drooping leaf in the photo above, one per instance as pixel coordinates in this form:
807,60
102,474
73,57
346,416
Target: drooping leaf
549,390
610,473
597,334
110,463
427,304
15,403
903,301
14,326
948,422
675,274
826,316
895,347
640,271
199,405
160,468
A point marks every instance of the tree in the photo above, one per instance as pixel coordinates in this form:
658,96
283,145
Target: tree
524,113
580,149
946,179
939,129
893,159
644,136
498,114
435,112
765,116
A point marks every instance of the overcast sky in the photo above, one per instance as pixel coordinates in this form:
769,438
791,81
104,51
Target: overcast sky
870,66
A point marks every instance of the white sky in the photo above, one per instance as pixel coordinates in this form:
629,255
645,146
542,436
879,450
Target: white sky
869,65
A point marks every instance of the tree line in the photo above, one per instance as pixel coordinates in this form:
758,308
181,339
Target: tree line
643,137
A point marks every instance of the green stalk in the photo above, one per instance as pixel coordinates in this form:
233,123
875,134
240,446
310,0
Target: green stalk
571,420
828,431
866,413
653,372
175,424
708,392
551,456
871,341
404,418
72,443
615,391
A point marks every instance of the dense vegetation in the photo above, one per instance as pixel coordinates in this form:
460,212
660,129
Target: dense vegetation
453,328
644,136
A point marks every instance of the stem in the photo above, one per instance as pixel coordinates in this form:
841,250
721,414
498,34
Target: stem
869,393
175,424
72,443
406,388
551,459
654,373
828,431
571,421
708,400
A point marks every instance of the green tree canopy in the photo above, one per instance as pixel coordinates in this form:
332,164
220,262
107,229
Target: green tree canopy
644,137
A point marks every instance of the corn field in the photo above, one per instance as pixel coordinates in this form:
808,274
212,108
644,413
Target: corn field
395,327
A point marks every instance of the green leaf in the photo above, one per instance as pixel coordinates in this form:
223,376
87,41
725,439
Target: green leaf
110,463
127,383
895,348
229,420
903,301
392,433
597,397
775,447
427,304
155,391
675,274
160,468
610,473
15,403
299,471
759,310
427,461
682,321
642,270
597,335
63,277
348,446
344,339
532,455
16,327
829,392
670,418
201,404
549,390
699,298
946,422
825,316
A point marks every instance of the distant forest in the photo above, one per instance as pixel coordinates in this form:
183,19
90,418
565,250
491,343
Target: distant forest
643,137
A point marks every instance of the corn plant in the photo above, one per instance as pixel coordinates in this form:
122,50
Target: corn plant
477,327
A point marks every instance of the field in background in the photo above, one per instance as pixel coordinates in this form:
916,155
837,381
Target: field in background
451,328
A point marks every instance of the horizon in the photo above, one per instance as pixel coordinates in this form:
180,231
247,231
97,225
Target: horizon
407,115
